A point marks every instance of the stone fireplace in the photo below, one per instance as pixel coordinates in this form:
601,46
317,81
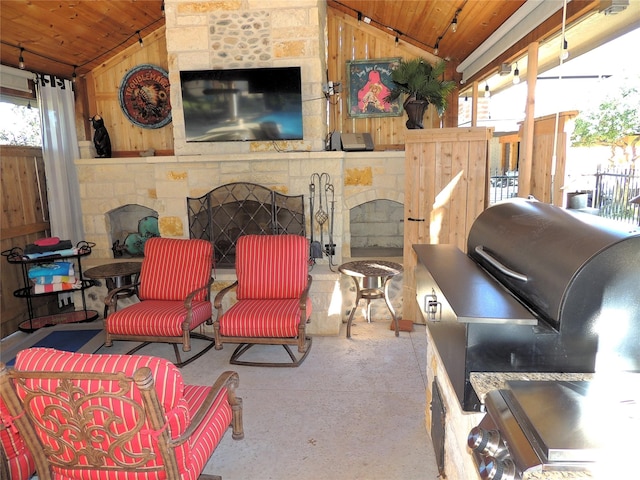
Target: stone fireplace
204,35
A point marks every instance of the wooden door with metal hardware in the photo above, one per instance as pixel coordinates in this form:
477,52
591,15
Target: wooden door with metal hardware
446,188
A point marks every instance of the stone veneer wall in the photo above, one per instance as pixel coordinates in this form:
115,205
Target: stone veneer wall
228,34
205,35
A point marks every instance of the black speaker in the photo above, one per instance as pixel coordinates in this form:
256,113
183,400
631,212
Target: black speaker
335,142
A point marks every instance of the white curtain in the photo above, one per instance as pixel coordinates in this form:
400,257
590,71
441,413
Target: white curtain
60,149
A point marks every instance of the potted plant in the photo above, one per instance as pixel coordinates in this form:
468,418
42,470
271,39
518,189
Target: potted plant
421,82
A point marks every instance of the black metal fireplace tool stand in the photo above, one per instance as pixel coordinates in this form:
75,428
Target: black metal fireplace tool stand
322,188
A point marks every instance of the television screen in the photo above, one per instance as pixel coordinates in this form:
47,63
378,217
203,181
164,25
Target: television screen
242,104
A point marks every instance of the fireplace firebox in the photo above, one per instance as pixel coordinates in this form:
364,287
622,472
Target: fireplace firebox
224,214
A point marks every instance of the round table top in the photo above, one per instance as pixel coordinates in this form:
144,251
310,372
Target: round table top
371,268
116,269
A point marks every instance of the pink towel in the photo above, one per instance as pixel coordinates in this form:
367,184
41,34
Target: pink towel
55,287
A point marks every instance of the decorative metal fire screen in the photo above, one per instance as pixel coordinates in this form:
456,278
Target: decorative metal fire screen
226,213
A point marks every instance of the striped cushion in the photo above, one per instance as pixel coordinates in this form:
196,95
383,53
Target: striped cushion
172,268
206,438
20,460
263,318
156,317
169,387
271,266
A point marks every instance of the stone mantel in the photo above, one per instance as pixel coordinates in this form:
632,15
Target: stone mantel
163,183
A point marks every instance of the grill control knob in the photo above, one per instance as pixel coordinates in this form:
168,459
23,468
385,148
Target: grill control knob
485,442
493,469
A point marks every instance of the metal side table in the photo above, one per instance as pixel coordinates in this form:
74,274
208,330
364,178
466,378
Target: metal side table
116,275
371,279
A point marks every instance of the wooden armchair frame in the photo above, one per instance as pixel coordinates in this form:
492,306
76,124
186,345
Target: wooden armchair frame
72,418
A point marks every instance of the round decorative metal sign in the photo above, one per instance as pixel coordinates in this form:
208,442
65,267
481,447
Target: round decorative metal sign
144,96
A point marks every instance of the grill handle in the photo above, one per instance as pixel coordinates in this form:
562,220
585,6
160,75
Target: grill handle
502,268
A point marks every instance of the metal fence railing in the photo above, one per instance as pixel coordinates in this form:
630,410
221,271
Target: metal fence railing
502,185
613,190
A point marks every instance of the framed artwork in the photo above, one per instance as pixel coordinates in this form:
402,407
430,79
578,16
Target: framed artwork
144,96
369,82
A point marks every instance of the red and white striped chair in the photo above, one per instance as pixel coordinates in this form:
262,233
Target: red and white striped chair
116,417
174,288
272,292
16,461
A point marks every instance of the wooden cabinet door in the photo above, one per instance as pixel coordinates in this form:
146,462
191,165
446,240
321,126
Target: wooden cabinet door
446,185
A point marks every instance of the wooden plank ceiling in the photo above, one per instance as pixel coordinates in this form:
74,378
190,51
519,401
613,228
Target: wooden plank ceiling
428,23
58,35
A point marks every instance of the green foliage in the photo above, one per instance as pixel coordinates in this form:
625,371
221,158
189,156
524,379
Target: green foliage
19,126
614,123
421,80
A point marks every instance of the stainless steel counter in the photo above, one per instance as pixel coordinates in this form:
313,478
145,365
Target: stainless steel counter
472,294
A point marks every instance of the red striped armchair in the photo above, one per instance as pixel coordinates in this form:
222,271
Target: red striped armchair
116,417
16,461
174,288
273,305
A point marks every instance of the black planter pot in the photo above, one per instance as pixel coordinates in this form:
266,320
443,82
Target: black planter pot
415,112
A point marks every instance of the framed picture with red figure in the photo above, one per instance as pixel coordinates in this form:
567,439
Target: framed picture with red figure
369,83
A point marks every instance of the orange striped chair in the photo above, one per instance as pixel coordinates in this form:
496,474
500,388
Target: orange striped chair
272,291
174,288
116,417
16,461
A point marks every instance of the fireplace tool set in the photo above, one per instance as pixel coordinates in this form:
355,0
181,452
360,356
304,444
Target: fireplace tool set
322,187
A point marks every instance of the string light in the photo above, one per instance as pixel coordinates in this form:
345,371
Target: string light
516,75
436,50
359,17
487,93
74,75
397,39
102,54
454,22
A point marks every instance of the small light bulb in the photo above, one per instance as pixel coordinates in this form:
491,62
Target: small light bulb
21,60
454,25
516,76
487,92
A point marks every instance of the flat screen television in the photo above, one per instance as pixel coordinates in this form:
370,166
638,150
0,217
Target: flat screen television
242,104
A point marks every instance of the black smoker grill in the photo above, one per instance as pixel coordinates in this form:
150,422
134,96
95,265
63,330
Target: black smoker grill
542,289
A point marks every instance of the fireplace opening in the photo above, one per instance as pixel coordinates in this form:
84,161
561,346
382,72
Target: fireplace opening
377,229
227,212
129,227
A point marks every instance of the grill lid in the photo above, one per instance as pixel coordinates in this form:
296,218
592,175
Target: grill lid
550,258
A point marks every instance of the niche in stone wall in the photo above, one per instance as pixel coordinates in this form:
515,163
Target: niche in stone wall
377,226
129,227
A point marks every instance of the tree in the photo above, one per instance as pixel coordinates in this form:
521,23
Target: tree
614,123
20,125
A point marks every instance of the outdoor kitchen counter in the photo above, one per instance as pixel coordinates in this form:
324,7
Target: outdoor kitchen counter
484,382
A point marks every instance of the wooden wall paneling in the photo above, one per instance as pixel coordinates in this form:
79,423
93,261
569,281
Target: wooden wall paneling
24,219
128,139
542,184
350,40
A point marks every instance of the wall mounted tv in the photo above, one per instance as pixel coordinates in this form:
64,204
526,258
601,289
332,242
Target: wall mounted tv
242,104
